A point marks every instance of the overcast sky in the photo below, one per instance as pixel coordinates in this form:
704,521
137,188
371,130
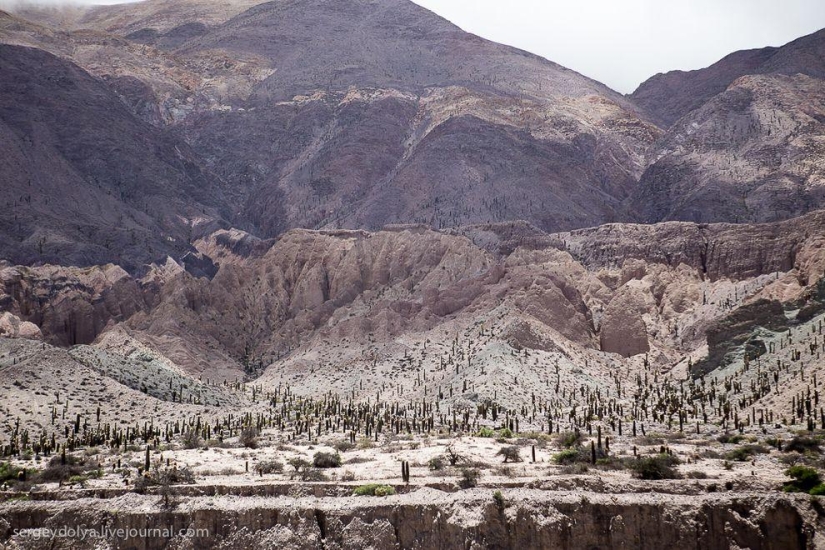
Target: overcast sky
623,42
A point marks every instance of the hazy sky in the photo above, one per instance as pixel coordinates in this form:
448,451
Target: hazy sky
623,42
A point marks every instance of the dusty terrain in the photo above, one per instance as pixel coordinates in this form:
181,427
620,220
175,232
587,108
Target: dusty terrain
400,350
338,274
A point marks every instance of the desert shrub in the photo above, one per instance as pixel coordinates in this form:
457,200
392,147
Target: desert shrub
298,463
803,445
469,477
505,433
510,453
374,489
734,439
164,478
745,452
568,440
269,467
191,440
611,463
343,446
347,476
436,463
655,467
696,474
576,468
485,431
312,474
78,480
61,469
504,471
804,479
359,460
9,472
570,456
452,456
499,500
249,437
326,460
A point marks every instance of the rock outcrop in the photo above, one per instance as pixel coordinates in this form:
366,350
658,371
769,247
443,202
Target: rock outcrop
12,327
432,519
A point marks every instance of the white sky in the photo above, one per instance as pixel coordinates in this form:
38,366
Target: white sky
623,42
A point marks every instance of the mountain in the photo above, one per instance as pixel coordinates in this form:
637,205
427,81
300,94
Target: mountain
361,113
671,95
83,180
751,152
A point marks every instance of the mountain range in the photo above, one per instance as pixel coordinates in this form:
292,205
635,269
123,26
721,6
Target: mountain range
232,182
355,114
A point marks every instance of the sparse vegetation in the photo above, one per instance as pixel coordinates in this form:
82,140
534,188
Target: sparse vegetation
326,460
656,467
374,489
469,478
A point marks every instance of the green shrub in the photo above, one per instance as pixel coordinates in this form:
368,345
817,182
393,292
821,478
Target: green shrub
80,480
656,467
745,452
499,499
436,463
485,432
269,467
803,445
506,433
568,456
326,460
374,489
804,480
384,490
9,472
819,490
569,439
469,478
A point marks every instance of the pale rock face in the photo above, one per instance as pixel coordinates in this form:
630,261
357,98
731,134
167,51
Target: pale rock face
623,328
12,327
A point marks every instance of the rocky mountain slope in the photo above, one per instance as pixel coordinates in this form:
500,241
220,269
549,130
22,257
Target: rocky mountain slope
670,96
360,113
311,304
84,180
745,143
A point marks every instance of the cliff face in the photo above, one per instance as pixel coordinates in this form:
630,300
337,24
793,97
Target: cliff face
428,518
672,95
717,250
625,289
